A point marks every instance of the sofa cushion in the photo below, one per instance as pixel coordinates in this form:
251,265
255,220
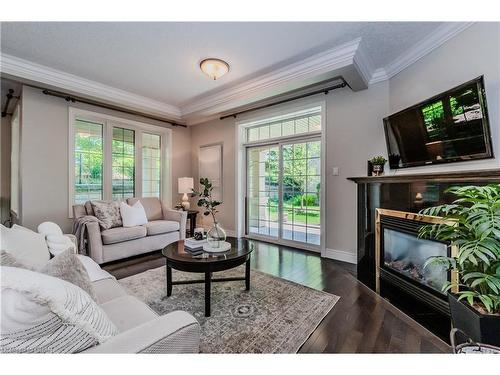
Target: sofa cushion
28,247
107,290
152,206
89,209
161,226
122,234
39,310
128,312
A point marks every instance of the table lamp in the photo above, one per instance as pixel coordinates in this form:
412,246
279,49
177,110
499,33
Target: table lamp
186,185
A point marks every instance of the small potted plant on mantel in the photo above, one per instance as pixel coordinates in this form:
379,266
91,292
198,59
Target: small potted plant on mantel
378,163
475,228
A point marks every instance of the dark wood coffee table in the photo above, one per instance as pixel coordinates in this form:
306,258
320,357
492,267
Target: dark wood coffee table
178,258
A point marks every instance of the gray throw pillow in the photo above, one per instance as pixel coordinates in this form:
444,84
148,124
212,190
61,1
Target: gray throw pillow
68,267
8,260
108,212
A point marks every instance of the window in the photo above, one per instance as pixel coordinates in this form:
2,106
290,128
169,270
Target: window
88,158
123,161
151,165
297,123
114,159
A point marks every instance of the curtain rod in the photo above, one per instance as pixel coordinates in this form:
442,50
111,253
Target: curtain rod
10,95
325,91
73,99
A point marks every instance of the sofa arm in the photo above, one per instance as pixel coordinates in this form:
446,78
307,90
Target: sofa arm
176,332
179,216
94,244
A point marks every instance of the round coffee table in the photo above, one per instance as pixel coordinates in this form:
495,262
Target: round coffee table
177,257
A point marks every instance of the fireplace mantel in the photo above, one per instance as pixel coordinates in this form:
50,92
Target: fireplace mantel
456,176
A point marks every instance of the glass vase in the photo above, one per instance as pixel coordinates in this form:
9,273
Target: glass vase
216,235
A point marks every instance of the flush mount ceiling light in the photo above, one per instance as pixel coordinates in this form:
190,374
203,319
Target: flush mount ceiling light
214,68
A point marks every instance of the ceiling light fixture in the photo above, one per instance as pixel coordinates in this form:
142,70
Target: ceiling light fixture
214,68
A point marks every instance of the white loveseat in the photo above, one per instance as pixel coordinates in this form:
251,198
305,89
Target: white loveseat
141,330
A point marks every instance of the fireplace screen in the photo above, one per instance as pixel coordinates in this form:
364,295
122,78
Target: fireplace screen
406,254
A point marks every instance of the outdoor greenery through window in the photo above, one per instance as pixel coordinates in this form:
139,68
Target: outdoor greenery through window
151,165
88,156
123,163
115,160
299,123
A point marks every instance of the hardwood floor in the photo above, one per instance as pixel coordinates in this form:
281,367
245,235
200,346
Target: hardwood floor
361,322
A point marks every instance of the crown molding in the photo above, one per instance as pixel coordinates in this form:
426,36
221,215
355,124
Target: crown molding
442,34
27,70
327,61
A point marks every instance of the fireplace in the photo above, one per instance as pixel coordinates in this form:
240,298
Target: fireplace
401,255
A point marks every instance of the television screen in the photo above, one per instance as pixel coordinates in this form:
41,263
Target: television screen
452,126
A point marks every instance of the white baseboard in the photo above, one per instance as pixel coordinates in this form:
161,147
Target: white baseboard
344,256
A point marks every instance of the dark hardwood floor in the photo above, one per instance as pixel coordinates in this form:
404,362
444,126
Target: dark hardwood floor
361,322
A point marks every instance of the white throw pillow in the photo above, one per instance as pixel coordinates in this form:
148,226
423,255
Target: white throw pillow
25,245
133,215
38,311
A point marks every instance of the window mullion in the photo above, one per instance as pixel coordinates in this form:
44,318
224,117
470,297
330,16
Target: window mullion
138,163
108,161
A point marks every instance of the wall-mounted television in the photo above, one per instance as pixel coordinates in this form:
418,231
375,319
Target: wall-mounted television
450,127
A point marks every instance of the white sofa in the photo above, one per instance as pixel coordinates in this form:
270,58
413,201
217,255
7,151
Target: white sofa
164,227
141,330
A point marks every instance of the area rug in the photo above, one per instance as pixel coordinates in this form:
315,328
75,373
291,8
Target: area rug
275,316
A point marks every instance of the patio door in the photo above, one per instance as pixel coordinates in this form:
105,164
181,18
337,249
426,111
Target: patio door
283,192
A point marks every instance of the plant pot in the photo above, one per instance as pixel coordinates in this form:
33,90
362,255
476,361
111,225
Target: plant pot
481,328
378,169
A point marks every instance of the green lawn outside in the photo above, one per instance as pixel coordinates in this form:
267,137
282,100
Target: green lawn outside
312,218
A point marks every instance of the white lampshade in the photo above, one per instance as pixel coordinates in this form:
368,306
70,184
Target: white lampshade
214,68
186,185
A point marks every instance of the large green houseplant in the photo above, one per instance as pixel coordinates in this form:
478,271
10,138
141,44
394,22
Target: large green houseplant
473,224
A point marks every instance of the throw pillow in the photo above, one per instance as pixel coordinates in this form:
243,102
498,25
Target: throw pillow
8,260
67,266
108,212
39,310
133,215
26,246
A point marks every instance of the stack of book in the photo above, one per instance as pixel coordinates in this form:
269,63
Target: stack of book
193,246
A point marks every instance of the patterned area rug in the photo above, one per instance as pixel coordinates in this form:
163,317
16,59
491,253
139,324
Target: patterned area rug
275,316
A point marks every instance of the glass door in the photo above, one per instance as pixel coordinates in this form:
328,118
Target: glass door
283,191
300,191
262,190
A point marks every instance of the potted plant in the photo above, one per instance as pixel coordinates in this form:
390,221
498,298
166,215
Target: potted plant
215,235
474,227
378,163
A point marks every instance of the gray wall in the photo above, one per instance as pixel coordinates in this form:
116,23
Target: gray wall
474,52
44,157
355,130
354,133
218,132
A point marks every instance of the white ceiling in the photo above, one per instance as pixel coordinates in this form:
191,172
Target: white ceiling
160,61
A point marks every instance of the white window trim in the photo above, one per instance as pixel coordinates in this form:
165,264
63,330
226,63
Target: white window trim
250,120
108,123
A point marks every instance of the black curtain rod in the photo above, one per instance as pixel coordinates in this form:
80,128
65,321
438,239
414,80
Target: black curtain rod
74,99
325,91
10,95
